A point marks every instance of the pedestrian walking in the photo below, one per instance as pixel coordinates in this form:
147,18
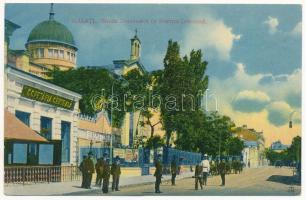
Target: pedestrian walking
89,170
105,176
198,176
82,169
116,171
158,173
174,170
222,171
206,168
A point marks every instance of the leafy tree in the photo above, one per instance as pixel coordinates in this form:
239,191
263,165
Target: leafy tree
294,151
89,82
155,142
234,146
183,78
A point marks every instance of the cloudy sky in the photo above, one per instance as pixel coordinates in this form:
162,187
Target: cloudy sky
253,51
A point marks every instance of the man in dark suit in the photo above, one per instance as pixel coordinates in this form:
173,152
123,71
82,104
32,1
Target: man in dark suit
222,171
106,175
198,176
99,171
158,173
116,171
89,170
173,170
82,169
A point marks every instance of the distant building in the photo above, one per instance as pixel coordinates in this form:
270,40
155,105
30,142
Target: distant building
277,146
50,45
253,152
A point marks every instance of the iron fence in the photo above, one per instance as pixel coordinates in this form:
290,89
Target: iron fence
40,174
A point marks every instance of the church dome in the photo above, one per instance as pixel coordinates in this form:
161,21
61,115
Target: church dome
51,31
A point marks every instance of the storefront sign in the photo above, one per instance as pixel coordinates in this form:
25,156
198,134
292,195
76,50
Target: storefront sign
46,97
119,152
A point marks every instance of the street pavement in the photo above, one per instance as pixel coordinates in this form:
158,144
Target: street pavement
62,188
256,181
265,181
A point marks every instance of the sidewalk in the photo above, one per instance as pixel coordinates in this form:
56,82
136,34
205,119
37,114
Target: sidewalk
45,189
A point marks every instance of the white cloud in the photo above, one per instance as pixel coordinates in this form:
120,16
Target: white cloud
279,113
214,37
278,89
250,94
250,101
272,23
297,30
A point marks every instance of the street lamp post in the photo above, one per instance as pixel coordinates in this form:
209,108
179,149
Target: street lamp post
290,118
111,123
219,145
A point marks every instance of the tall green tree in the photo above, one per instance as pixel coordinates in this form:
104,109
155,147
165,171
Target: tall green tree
234,146
182,80
295,149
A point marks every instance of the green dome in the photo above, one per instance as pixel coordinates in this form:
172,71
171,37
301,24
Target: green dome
51,31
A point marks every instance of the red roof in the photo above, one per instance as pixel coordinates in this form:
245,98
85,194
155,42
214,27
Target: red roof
16,129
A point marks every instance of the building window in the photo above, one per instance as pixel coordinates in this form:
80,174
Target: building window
55,53
32,154
40,52
23,116
46,154
65,136
50,53
61,54
72,56
68,56
46,127
19,153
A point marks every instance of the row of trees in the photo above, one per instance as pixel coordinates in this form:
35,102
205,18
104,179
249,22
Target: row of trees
289,155
178,85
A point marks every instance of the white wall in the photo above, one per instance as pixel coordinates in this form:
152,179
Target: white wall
13,101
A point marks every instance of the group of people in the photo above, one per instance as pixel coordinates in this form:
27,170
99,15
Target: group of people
202,171
103,171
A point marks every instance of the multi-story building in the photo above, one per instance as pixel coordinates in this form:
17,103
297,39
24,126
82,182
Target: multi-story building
254,146
46,112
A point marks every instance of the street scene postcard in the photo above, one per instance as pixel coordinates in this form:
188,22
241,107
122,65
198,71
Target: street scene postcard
125,99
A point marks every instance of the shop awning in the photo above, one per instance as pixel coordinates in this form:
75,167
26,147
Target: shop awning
14,129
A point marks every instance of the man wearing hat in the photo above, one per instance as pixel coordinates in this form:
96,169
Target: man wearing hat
222,171
82,169
106,175
158,173
102,165
89,170
173,170
99,171
206,167
116,171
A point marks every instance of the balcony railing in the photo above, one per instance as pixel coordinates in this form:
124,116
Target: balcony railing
40,174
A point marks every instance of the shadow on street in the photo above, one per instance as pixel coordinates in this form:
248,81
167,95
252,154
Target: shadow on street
288,180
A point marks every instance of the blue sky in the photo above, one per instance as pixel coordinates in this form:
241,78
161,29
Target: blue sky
255,48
